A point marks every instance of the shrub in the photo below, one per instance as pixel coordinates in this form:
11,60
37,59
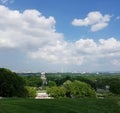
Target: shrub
56,92
31,91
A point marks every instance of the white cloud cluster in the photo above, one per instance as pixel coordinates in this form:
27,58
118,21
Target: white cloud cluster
26,30
95,20
81,52
36,35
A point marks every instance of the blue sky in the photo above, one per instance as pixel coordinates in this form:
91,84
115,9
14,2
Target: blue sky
64,35
64,11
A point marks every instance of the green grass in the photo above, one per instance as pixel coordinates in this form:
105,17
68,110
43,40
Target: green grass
60,106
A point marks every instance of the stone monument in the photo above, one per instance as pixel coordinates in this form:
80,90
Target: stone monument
43,78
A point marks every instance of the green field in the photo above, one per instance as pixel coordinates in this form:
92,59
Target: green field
60,106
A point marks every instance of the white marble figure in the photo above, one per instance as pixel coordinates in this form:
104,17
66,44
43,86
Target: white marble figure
43,78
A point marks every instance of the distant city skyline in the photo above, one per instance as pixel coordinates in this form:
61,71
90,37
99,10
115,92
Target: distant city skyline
60,36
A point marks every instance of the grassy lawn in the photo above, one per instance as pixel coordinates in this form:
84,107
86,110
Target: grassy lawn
60,106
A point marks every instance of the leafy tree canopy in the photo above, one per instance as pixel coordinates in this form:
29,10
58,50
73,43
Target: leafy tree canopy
56,92
81,89
11,85
75,89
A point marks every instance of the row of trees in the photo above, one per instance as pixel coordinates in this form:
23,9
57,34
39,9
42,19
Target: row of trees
14,85
95,81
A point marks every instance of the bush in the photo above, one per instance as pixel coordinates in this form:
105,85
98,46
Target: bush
56,92
31,91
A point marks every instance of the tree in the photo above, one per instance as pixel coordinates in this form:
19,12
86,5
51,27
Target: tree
81,89
56,92
114,85
11,85
51,83
68,85
33,80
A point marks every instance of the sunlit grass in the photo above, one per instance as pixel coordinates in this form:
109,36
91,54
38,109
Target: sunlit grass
60,106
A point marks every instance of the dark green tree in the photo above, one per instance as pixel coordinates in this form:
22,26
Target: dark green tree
33,80
114,85
51,83
11,85
68,86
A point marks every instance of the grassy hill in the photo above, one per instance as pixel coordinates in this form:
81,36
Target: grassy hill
60,106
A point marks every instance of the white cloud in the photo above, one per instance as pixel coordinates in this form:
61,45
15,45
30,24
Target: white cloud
98,26
26,30
95,20
81,52
36,36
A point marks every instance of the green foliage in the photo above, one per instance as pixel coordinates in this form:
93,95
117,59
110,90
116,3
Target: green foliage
34,81
78,89
114,84
51,83
96,81
31,91
68,86
11,85
70,89
56,92
60,78
81,89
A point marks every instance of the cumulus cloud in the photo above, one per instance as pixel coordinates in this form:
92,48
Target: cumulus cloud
79,53
29,29
34,34
95,20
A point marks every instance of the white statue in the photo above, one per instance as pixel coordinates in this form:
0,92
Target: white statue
43,78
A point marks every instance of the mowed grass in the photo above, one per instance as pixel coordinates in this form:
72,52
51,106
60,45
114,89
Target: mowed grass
60,106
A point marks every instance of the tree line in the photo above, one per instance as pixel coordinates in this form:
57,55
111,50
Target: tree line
66,84
94,80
